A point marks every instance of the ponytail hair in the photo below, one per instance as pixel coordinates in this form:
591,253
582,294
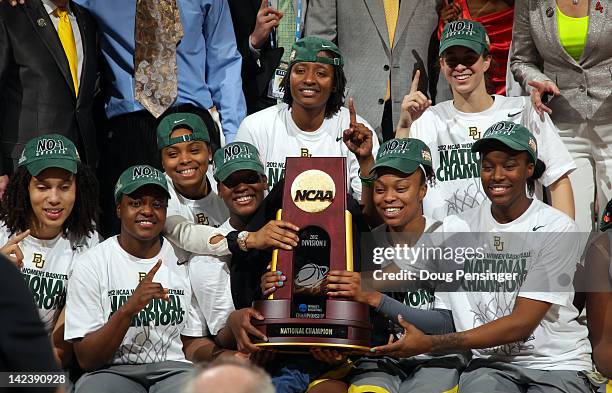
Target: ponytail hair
538,171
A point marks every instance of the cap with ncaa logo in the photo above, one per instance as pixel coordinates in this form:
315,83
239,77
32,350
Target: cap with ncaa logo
234,157
49,151
308,49
513,135
406,155
466,33
190,121
137,176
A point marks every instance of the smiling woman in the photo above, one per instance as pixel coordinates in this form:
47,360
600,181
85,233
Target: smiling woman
49,215
451,127
311,121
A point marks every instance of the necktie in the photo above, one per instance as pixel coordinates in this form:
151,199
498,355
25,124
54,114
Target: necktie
391,15
64,30
158,31
286,28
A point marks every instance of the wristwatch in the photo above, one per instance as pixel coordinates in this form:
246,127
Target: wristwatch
242,239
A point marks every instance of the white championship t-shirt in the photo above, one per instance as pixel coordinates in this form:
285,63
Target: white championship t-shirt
450,134
46,267
210,282
210,210
531,257
102,281
274,133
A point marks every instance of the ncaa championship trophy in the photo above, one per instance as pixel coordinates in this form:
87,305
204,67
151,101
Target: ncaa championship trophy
299,315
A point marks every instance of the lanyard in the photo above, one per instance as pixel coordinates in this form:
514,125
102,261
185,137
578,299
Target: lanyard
298,20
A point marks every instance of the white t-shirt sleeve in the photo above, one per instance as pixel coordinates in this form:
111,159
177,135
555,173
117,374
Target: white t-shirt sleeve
195,325
244,133
194,237
425,129
550,279
84,313
552,151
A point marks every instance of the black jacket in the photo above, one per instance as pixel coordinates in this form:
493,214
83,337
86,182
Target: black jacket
37,95
255,76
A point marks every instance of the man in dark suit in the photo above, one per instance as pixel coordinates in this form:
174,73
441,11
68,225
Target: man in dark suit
254,22
41,91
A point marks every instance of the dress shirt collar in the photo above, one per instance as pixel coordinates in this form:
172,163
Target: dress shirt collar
50,7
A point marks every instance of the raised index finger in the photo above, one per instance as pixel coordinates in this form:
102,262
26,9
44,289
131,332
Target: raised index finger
352,113
415,81
151,273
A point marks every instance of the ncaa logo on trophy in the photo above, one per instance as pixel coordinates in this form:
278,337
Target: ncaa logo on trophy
299,315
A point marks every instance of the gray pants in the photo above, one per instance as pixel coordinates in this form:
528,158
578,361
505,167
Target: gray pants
388,375
162,377
498,377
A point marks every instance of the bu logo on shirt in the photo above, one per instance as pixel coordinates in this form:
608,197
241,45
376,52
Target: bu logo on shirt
141,276
38,260
499,245
305,153
201,219
473,133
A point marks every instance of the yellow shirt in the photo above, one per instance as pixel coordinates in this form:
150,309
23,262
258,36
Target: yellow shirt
572,33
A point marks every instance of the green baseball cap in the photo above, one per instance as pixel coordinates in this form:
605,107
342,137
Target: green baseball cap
606,218
199,131
49,151
234,157
137,176
513,135
466,33
307,49
405,154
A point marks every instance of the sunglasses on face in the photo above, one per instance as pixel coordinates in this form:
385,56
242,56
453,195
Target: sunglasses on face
243,178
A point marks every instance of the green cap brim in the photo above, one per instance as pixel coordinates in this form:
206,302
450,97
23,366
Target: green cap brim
38,166
402,165
481,145
224,172
476,46
130,188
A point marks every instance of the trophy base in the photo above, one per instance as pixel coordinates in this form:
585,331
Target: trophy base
345,329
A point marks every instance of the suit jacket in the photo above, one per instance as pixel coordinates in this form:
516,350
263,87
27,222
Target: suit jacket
256,75
360,30
586,84
36,89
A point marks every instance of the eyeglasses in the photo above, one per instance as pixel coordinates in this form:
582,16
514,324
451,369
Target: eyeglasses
235,179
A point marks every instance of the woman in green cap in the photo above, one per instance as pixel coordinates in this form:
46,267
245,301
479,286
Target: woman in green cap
49,215
512,305
401,175
451,127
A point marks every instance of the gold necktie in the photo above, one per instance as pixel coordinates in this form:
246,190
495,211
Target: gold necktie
158,31
64,30
391,15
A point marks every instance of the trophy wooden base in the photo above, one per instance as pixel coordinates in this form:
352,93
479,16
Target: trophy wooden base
345,329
